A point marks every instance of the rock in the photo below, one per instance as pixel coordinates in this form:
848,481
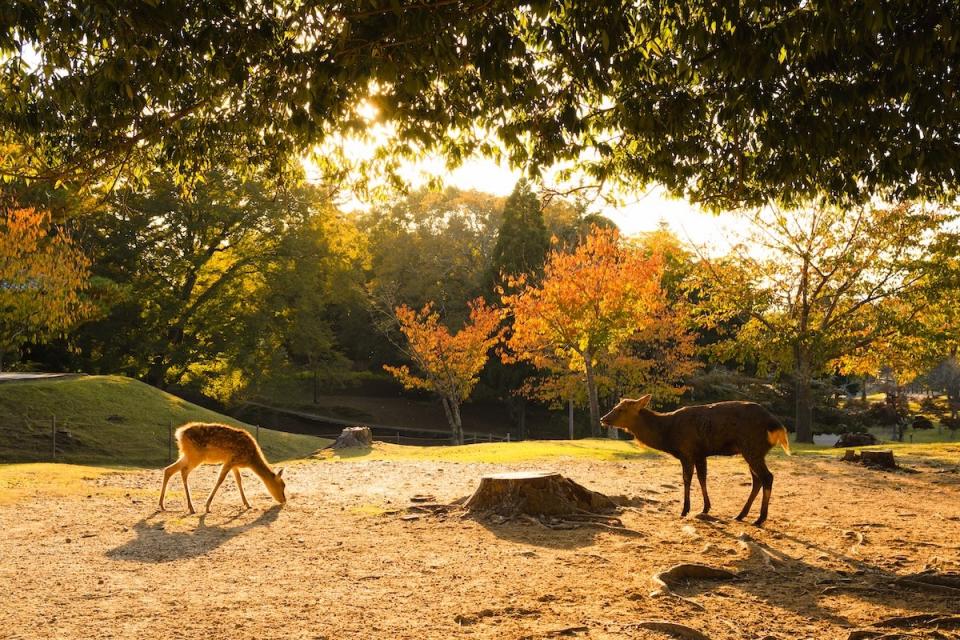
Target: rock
855,440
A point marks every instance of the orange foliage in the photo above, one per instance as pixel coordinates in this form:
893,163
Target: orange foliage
589,302
449,363
42,276
592,316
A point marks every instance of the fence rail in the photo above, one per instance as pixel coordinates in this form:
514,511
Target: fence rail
436,435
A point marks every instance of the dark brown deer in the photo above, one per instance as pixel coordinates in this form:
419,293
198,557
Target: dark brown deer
691,434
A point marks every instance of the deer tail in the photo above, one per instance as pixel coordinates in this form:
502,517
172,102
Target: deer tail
778,436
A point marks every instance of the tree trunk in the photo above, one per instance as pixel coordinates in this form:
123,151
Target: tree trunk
452,409
863,390
804,413
458,432
352,437
523,419
592,397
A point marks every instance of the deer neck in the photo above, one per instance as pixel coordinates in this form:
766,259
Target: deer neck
649,430
259,467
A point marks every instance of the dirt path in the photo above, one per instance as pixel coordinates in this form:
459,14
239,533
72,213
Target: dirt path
101,563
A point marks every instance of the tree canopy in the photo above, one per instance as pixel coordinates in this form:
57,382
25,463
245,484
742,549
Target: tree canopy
729,103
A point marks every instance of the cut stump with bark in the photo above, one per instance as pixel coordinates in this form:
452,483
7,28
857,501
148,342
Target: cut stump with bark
873,459
535,493
353,437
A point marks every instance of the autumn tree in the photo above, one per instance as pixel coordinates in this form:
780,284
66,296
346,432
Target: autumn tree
447,364
817,285
590,304
43,274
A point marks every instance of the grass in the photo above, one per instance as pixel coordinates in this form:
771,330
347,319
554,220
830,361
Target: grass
111,420
17,480
935,452
498,452
600,449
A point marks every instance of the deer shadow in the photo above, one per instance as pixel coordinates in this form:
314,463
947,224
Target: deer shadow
792,583
155,544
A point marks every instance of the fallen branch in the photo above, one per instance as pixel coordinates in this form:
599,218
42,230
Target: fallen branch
946,583
556,633
937,620
671,628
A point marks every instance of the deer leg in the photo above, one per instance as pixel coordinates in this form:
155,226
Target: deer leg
184,472
687,478
753,495
236,475
701,466
224,470
766,478
167,473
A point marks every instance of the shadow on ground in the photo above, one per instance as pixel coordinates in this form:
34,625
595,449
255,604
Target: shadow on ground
154,543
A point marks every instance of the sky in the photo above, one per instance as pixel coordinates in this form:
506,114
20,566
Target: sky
642,212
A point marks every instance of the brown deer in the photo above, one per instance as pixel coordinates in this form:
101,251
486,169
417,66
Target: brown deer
206,443
693,433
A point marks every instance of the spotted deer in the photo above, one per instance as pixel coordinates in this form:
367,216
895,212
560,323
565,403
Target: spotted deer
209,443
693,433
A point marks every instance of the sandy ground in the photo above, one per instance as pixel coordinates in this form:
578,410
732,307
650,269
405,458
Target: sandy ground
101,562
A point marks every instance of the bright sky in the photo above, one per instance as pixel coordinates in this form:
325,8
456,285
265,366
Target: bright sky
641,213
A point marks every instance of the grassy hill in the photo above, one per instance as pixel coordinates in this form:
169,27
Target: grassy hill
110,420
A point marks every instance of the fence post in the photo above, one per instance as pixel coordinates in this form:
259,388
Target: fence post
508,436
398,437
53,433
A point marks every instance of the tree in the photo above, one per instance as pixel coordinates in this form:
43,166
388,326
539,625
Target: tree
43,274
522,241
448,364
589,304
818,285
432,246
730,103
205,277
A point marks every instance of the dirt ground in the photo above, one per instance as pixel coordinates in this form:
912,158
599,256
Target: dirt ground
337,562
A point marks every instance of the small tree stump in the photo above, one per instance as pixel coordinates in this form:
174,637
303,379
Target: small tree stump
352,437
535,493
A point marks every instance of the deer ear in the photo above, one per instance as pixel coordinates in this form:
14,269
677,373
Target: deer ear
280,472
644,401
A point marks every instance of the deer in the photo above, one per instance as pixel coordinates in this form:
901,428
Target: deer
212,443
691,434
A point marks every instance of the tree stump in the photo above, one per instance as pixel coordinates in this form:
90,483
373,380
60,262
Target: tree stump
536,493
879,459
352,437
